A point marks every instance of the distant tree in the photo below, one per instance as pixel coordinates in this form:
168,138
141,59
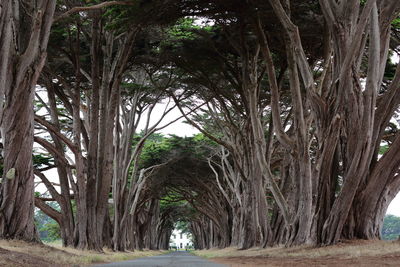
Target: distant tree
48,228
391,227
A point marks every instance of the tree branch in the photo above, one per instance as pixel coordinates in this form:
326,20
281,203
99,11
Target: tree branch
87,8
53,129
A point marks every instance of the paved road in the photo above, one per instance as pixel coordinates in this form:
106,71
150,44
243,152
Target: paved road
173,259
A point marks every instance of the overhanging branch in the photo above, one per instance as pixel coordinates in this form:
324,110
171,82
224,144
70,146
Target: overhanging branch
94,7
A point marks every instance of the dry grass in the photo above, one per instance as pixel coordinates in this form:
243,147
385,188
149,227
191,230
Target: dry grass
54,254
347,249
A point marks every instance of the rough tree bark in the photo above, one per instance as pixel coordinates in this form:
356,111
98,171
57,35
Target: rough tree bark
24,36
348,119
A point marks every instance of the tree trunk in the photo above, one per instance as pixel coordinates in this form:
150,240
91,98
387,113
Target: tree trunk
19,73
17,203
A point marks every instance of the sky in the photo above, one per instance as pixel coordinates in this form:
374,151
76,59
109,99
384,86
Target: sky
394,207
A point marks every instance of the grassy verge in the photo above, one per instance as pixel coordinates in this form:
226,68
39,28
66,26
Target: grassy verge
347,249
18,253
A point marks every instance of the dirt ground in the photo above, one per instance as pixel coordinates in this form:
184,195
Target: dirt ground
19,259
349,253
14,253
386,260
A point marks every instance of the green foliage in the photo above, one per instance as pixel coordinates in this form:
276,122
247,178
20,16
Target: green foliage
184,29
158,148
141,13
383,149
396,22
155,150
391,227
41,160
182,226
49,230
171,199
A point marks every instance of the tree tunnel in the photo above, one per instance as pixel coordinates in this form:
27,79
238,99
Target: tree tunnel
302,105
185,190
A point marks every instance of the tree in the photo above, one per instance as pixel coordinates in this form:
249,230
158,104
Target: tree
327,173
25,30
391,227
225,117
354,112
110,104
49,229
298,101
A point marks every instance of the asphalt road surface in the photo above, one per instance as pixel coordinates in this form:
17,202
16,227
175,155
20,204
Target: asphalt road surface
173,259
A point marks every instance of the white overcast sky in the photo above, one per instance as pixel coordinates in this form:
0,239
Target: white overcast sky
394,207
